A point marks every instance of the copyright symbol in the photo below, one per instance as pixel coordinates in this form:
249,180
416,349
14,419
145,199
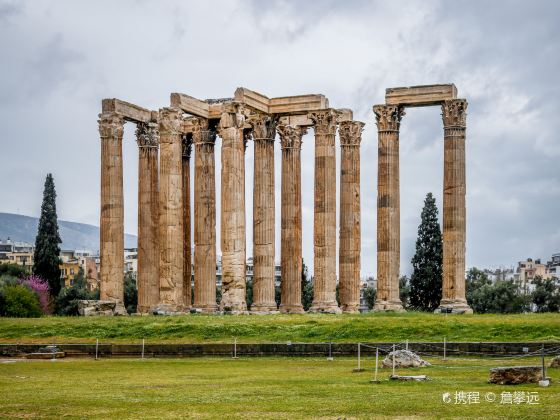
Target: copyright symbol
490,397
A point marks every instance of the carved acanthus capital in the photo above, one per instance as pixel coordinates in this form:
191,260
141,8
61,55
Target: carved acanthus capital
147,134
350,133
324,121
388,117
291,136
111,125
201,133
232,115
186,143
170,122
263,126
454,113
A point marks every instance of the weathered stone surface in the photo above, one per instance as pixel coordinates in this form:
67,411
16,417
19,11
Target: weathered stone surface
514,375
101,308
264,131
47,352
420,95
233,208
388,119
291,245
350,133
171,210
204,217
111,128
324,222
454,206
147,137
126,110
403,359
555,363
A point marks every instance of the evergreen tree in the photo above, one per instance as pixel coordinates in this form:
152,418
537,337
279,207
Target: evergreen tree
47,250
426,279
306,287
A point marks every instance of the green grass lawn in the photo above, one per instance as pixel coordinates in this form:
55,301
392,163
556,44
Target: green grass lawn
281,328
257,388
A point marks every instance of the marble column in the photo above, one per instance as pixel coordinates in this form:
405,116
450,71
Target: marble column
350,133
264,132
388,119
111,128
171,212
454,206
291,245
324,223
147,138
204,217
233,208
187,266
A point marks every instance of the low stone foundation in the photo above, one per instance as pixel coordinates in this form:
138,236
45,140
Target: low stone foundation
514,375
100,308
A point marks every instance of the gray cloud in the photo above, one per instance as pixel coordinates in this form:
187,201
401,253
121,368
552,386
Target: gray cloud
60,58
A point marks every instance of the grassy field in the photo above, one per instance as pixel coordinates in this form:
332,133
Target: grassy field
256,388
281,328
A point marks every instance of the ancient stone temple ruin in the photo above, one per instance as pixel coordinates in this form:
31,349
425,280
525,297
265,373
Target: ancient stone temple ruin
166,139
188,127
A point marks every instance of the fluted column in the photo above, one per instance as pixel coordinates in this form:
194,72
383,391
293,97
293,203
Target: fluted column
204,217
264,131
388,119
111,128
324,223
171,212
233,208
147,138
350,133
187,266
291,253
454,206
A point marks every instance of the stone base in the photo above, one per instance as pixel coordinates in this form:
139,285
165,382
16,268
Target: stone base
325,308
264,309
350,309
166,309
386,306
101,308
403,359
291,309
514,375
555,363
454,307
204,309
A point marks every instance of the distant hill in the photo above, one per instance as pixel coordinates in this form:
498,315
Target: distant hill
73,235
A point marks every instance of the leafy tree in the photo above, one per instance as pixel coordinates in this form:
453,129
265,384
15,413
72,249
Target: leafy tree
306,287
501,297
404,290
47,250
19,301
130,293
14,270
475,280
369,294
67,299
40,287
249,294
426,279
546,296
218,295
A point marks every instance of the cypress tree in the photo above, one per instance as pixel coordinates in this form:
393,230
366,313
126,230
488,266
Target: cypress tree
426,280
46,258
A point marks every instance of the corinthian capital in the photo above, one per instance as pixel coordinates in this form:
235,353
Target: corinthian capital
388,117
324,121
147,134
290,136
186,143
111,125
201,134
170,121
350,133
454,112
263,125
232,115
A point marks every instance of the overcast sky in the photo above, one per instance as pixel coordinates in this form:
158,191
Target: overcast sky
60,58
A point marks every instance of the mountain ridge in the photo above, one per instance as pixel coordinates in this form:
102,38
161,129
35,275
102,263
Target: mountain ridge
74,235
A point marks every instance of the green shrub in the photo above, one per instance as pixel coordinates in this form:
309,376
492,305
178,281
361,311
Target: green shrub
14,270
20,302
130,293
